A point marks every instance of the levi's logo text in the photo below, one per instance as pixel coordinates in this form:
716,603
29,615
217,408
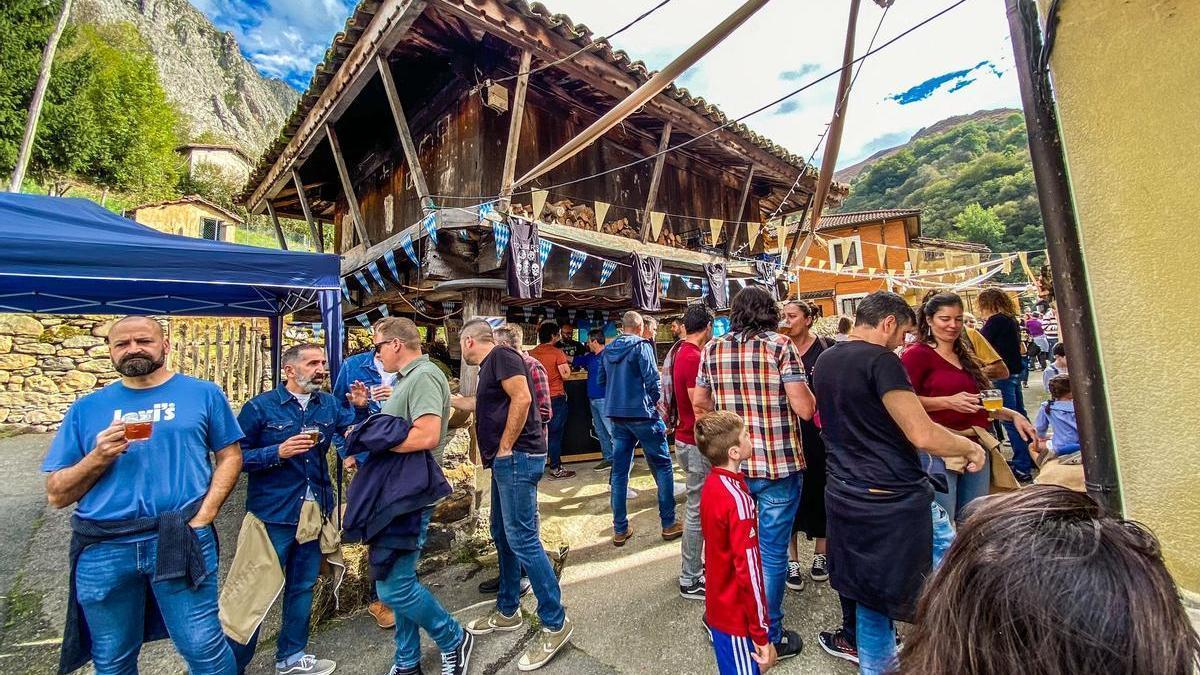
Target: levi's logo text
161,412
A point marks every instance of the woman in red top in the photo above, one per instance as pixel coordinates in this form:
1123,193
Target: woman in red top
948,378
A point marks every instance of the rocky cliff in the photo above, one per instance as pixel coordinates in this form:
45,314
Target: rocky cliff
203,71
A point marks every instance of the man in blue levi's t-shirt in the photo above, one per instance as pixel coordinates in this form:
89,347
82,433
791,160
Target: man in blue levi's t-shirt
144,508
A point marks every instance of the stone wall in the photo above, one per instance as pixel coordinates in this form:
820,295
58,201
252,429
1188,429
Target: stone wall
46,362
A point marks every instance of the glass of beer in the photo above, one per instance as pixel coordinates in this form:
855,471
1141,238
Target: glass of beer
992,399
313,433
138,431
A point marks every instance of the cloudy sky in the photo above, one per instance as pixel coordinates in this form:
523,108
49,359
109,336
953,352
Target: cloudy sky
960,63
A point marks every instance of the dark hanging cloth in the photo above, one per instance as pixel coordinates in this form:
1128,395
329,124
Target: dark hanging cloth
524,268
718,285
764,275
645,286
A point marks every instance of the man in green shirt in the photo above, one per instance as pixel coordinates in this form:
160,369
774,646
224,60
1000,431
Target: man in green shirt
422,396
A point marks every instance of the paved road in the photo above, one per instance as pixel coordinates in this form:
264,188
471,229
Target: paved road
22,501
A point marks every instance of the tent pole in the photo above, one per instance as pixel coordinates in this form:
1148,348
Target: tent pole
276,348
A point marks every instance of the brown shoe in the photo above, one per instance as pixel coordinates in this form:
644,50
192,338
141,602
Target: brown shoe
620,538
673,532
384,616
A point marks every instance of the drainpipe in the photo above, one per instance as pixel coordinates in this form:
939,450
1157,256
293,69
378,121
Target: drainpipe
1076,320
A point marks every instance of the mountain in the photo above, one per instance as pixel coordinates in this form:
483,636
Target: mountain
971,176
851,172
222,96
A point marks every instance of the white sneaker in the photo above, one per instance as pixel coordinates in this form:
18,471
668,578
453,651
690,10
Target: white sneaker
680,489
630,493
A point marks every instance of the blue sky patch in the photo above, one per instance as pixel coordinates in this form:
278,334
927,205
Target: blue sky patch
794,75
955,80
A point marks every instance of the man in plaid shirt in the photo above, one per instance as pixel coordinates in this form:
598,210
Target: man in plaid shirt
757,373
510,335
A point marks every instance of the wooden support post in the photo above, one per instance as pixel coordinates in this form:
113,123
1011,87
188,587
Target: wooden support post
663,143
800,231
406,141
514,130
318,243
477,302
278,229
737,224
351,201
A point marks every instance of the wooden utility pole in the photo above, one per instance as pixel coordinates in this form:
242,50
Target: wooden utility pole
516,117
741,211
651,196
39,96
402,129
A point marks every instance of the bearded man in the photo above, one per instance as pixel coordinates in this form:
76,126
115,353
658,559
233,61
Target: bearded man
288,431
134,457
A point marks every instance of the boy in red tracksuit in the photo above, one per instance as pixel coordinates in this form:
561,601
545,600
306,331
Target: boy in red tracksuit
735,606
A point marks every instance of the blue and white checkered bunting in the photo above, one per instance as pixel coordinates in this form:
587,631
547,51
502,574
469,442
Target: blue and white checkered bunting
704,288
664,279
389,259
691,284
544,247
606,270
429,224
345,288
502,234
362,281
407,244
485,210
362,319
464,234
377,274
577,260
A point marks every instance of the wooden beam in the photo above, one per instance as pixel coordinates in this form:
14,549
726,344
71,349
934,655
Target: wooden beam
278,228
318,244
737,225
514,129
406,141
351,201
388,25
800,230
664,142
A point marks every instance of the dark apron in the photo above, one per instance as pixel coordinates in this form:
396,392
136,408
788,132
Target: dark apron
880,545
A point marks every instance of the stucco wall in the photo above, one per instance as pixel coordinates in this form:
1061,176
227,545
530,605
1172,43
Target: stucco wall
184,219
1126,76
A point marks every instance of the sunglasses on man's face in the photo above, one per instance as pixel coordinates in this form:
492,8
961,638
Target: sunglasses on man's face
377,345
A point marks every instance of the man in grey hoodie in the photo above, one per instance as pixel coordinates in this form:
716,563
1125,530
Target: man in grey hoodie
631,383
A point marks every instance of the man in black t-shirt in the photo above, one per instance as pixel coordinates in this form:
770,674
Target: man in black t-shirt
510,439
878,498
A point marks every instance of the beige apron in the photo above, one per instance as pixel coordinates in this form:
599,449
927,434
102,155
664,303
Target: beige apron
1001,476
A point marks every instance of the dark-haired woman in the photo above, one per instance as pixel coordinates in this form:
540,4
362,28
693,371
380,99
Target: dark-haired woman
948,379
1001,329
1078,591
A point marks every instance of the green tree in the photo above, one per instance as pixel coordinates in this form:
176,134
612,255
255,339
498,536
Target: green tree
980,225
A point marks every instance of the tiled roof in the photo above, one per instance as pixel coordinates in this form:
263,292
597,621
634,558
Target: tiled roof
190,199
835,220
578,34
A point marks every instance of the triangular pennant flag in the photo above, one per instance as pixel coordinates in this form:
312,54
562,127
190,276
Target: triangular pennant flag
577,260
345,288
822,264
362,319
362,281
487,212
544,247
914,258
539,202
383,309
407,244
691,283
752,233
808,261
704,287
606,270
881,252
656,223
429,224
1023,256
974,257
501,233
390,259
377,274
714,228
463,234
664,279
1006,265
601,211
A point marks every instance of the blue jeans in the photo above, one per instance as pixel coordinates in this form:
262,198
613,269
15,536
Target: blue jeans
558,424
776,501
515,528
1010,389
873,632
415,607
652,434
964,488
110,583
603,428
301,564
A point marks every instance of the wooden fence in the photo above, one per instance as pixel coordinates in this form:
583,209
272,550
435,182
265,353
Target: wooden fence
233,353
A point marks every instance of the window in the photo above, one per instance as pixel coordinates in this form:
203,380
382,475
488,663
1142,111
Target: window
846,252
848,304
210,228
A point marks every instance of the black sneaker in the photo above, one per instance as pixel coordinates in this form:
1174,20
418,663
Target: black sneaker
492,586
693,591
455,662
789,645
602,465
795,580
560,474
415,670
838,644
820,568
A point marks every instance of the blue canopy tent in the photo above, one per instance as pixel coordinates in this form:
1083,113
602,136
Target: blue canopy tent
60,255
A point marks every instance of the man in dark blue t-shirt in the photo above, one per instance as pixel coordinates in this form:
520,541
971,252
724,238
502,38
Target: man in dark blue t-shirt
593,364
510,439
134,457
